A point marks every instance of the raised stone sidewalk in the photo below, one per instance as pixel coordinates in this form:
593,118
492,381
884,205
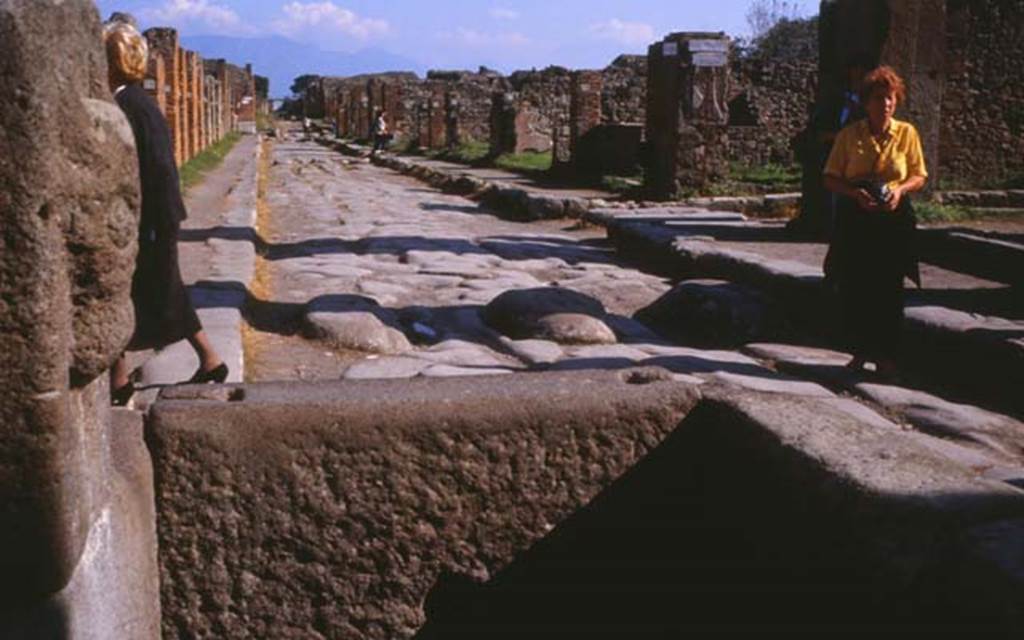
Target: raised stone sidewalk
217,254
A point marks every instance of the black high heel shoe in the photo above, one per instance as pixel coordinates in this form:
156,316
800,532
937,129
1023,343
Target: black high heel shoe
215,376
119,397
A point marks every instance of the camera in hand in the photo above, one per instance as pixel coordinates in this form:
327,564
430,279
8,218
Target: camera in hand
878,190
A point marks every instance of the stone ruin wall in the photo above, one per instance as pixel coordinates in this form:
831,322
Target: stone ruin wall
451,107
203,100
350,102
539,104
981,140
467,97
770,101
624,95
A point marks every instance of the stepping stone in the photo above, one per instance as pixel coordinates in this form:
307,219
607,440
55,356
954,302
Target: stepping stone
573,328
356,323
714,313
560,315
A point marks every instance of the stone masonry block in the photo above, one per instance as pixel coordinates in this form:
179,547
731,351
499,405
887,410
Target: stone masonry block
68,211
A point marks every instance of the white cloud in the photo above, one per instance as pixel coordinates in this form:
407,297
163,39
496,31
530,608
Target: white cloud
479,39
501,13
198,12
299,17
629,33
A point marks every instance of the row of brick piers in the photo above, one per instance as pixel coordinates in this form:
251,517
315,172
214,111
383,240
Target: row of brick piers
203,100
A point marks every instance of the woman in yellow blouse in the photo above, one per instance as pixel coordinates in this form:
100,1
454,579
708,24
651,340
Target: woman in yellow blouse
874,164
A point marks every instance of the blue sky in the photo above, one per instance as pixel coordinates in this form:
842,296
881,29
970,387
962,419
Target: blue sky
505,34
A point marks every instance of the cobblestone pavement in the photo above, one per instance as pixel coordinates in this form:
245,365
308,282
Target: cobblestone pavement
369,274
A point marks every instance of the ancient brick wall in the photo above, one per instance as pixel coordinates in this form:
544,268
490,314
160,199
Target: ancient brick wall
769,105
981,140
527,116
468,103
242,85
202,100
352,102
624,92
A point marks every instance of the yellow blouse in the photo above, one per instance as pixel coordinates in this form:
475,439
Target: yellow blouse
858,155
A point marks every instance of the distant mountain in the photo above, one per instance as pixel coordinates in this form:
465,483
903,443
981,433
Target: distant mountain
282,60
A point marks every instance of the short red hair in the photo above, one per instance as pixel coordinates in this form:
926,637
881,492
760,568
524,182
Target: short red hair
885,78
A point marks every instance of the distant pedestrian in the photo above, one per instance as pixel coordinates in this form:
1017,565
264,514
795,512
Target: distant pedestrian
163,311
874,164
381,135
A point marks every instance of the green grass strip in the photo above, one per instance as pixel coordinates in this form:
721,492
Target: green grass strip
528,162
193,171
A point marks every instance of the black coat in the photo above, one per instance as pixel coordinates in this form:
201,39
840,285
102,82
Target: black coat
163,312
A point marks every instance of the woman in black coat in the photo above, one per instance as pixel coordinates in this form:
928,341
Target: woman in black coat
163,311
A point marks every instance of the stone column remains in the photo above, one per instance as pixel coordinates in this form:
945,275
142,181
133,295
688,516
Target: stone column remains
199,99
452,108
77,541
436,125
503,123
181,131
687,113
584,113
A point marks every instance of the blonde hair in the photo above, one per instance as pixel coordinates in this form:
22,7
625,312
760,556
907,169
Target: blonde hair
127,51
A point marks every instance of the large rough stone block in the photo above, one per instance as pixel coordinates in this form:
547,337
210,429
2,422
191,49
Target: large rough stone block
69,204
334,509
557,504
715,313
75,555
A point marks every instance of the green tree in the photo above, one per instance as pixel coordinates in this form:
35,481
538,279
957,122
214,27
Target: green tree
300,84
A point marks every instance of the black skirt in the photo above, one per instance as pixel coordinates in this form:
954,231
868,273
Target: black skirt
163,310
870,255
